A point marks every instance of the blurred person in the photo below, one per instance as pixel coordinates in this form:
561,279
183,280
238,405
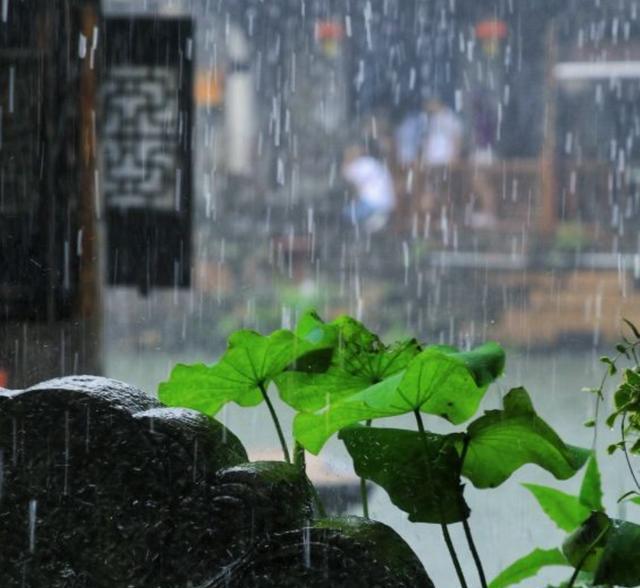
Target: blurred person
442,144
441,147
409,136
373,185
377,134
433,135
485,124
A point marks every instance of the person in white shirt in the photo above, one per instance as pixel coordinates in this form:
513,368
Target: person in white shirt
441,148
443,137
409,136
434,136
373,185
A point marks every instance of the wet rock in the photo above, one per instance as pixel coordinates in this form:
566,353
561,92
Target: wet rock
348,551
262,498
101,484
102,487
190,449
194,447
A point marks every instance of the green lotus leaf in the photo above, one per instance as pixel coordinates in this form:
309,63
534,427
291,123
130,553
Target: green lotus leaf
502,441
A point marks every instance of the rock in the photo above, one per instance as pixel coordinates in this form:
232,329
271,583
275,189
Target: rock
111,480
349,551
102,487
262,498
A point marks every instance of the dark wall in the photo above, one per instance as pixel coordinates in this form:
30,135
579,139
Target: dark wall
39,160
46,236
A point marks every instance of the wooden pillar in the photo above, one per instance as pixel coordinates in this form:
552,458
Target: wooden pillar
89,310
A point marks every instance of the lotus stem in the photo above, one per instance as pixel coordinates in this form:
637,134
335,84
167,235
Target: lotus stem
276,422
443,526
467,526
363,489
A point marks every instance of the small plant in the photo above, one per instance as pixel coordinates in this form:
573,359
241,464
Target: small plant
602,551
626,399
340,378
571,237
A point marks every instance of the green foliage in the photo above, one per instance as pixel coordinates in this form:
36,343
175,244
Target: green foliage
358,360
591,489
338,375
421,475
571,237
627,400
611,365
613,557
439,381
528,567
633,328
569,513
566,511
583,548
604,550
619,563
626,396
504,440
245,370
608,548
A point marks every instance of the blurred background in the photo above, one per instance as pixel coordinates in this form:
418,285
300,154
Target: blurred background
457,170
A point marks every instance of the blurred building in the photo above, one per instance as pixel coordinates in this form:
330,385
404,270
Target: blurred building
192,151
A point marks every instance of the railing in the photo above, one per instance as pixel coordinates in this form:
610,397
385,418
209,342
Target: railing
484,203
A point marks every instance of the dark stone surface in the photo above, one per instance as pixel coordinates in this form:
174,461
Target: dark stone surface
263,497
348,551
102,487
115,481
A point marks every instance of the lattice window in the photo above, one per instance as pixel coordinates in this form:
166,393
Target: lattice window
140,138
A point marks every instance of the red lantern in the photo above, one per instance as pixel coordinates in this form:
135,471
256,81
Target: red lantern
490,33
491,30
329,30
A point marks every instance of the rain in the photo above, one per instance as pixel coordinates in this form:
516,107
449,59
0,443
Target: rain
458,171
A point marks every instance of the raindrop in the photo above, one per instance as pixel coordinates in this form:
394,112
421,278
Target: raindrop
33,513
82,46
406,261
348,25
87,431
458,100
14,440
67,450
178,190
195,460
12,83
